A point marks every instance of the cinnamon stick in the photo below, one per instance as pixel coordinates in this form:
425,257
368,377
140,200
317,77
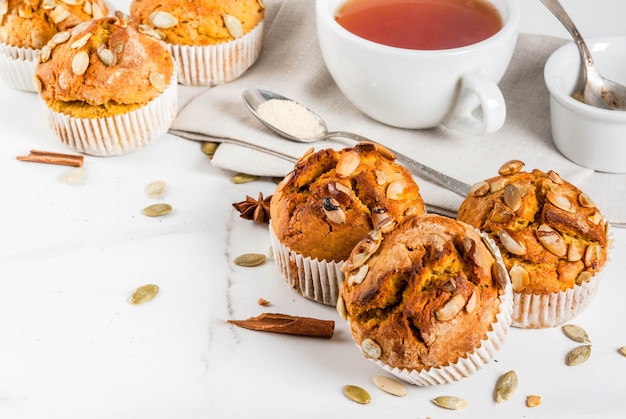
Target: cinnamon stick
288,324
49,157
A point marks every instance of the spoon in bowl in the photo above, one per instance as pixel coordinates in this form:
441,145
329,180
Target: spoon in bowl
254,98
597,91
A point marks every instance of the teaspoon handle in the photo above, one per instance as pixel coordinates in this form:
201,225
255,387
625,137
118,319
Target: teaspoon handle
557,10
452,184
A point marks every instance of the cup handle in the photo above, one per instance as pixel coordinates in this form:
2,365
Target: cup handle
476,90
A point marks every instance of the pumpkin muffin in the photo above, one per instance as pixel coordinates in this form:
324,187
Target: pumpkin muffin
212,41
553,239
107,88
429,301
26,26
331,200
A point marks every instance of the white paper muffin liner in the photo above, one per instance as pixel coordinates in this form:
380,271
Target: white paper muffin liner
211,65
534,311
315,279
118,134
17,66
476,359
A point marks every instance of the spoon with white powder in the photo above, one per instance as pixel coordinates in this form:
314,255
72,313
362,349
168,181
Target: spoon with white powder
295,122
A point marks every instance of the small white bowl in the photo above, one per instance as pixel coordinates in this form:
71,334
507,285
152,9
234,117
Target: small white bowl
591,137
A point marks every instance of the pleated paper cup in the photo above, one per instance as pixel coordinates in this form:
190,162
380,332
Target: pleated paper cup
17,66
118,134
473,361
315,279
534,311
212,65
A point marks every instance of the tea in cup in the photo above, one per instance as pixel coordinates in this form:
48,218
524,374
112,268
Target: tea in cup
438,63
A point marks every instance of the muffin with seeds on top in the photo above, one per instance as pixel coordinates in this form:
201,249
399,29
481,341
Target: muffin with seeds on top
212,41
330,201
428,301
107,88
553,238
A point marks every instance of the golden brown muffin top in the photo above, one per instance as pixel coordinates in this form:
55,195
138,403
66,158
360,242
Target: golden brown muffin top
32,23
550,233
198,22
102,65
333,198
423,294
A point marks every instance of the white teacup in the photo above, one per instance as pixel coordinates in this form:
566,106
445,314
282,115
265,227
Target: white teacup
418,89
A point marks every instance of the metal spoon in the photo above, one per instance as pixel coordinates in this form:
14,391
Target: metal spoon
598,91
255,97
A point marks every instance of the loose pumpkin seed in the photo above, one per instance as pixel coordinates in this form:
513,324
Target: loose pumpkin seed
157,210
451,402
505,386
357,394
578,355
156,189
389,385
72,175
209,147
144,293
622,350
240,178
250,259
575,333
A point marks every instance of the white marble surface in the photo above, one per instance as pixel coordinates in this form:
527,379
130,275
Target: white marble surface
71,346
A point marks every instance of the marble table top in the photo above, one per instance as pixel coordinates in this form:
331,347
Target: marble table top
71,345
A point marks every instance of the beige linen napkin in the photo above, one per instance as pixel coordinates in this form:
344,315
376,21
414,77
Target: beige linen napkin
291,64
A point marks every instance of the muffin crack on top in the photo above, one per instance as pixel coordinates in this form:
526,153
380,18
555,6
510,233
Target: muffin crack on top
327,204
333,198
429,294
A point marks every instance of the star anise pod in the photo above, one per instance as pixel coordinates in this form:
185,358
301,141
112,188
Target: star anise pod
257,210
